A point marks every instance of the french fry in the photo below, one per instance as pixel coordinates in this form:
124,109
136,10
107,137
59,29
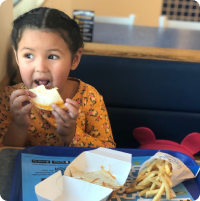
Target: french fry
155,181
131,190
134,184
144,191
166,187
144,183
143,171
161,162
152,165
152,174
160,192
140,187
170,174
161,168
140,177
167,168
154,185
168,180
170,165
151,193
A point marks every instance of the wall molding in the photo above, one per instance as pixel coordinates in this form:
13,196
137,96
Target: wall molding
177,24
164,22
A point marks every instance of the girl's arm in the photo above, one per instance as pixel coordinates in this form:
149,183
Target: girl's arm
6,126
14,125
15,136
97,131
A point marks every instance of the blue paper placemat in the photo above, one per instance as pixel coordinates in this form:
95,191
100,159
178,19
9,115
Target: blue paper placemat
36,168
192,185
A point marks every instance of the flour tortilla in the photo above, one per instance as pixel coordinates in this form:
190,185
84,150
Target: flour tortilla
100,177
46,97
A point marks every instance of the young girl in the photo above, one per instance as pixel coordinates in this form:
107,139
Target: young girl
47,45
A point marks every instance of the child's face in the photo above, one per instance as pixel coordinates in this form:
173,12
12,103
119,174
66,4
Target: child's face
44,58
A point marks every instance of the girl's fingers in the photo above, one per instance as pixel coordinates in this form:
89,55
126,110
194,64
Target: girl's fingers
31,94
18,102
27,108
60,113
73,102
58,117
72,111
16,94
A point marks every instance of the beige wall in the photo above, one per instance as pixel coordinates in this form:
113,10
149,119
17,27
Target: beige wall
147,12
63,5
6,16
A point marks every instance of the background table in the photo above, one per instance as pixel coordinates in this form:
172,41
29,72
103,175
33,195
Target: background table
146,36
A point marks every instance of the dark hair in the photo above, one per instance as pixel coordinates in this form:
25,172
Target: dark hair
48,19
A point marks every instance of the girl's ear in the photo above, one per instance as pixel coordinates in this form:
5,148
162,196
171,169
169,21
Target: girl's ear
15,56
76,59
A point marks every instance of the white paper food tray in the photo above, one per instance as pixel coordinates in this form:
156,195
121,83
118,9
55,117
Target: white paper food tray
60,188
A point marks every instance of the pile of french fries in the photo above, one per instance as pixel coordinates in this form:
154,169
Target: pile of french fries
154,180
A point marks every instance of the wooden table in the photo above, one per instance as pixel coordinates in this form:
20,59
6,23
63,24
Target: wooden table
143,36
139,52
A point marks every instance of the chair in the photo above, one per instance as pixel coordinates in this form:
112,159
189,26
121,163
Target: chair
190,145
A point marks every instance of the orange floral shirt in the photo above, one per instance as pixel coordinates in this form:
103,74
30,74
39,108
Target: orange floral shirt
92,126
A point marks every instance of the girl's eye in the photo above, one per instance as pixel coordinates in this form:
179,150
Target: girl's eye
53,57
29,56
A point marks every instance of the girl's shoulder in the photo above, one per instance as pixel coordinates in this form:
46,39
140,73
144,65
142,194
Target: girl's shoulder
87,88
88,94
10,89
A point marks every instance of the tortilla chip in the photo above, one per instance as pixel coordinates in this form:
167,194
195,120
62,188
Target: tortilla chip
46,97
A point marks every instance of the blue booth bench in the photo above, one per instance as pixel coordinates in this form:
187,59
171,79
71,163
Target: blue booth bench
151,87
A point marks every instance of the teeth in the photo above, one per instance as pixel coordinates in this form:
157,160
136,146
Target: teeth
42,82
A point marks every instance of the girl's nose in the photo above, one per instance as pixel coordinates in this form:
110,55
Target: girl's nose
41,66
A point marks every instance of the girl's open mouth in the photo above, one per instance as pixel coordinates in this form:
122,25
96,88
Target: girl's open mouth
44,82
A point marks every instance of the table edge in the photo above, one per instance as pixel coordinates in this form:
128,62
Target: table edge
139,52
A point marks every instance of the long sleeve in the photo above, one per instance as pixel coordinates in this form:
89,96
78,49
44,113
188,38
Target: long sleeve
93,127
5,113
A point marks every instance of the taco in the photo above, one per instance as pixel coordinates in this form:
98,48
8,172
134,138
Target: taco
46,97
100,177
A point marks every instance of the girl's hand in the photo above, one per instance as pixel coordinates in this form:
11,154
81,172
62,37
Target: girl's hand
21,107
66,120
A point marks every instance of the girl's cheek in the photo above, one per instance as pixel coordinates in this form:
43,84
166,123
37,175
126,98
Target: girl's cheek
25,69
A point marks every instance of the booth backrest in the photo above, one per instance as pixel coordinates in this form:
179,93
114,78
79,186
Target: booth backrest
161,95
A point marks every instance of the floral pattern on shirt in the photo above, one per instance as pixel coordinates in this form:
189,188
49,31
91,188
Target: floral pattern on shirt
92,126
